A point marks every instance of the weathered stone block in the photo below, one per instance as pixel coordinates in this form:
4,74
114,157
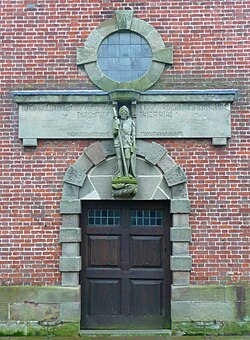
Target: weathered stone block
203,311
180,220
166,163
70,279
70,191
181,263
180,248
180,234
181,278
107,27
58,294
29,311
94,39
220,141
179,191
155,71
70,235
108,147
70,249
142,148
154,153
70,206
84,163
70,312
70,264
70,221
175,176
124,19
29,142
85,55
3,312
74,176
95,153
164,55
181,206
213,293
141,27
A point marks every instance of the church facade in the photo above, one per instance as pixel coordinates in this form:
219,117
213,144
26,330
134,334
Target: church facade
124,167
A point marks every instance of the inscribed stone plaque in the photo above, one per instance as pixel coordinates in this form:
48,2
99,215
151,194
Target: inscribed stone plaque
183,120
153,120
88,120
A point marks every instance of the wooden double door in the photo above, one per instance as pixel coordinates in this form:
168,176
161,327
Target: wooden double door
126,277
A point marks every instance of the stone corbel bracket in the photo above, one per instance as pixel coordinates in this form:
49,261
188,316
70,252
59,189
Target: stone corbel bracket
124,20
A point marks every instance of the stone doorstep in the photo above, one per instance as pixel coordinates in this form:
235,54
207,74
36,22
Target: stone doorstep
132,334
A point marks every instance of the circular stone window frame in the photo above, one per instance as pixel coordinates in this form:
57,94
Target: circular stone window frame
124,21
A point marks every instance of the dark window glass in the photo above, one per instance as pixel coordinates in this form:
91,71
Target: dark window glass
100,217
146,218
124,56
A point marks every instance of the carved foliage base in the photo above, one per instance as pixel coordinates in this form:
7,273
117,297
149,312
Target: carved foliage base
124,187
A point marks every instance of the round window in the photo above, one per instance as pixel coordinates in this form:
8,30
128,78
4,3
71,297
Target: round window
124,56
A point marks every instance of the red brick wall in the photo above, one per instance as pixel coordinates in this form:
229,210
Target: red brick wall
211,50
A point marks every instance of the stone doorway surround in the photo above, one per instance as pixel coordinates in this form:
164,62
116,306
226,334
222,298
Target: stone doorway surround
159,178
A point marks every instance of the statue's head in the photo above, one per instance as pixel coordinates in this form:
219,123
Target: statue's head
124,112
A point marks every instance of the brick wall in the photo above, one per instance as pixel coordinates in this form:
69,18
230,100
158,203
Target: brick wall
211,50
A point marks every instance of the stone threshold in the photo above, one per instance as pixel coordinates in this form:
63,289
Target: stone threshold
126,332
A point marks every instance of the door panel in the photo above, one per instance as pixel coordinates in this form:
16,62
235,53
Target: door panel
104,297
125,277
146,251
104,251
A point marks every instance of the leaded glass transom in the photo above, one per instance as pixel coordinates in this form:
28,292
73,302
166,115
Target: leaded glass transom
146,218
124,56
100,217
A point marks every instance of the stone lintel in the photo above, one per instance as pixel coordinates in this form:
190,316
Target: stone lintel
70,235
159,96
181,263
154,153
70,264
180,206
70,206
180,234
95,153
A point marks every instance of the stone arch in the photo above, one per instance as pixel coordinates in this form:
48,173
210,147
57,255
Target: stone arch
90,178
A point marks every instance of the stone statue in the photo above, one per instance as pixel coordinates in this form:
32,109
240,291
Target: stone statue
124,183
